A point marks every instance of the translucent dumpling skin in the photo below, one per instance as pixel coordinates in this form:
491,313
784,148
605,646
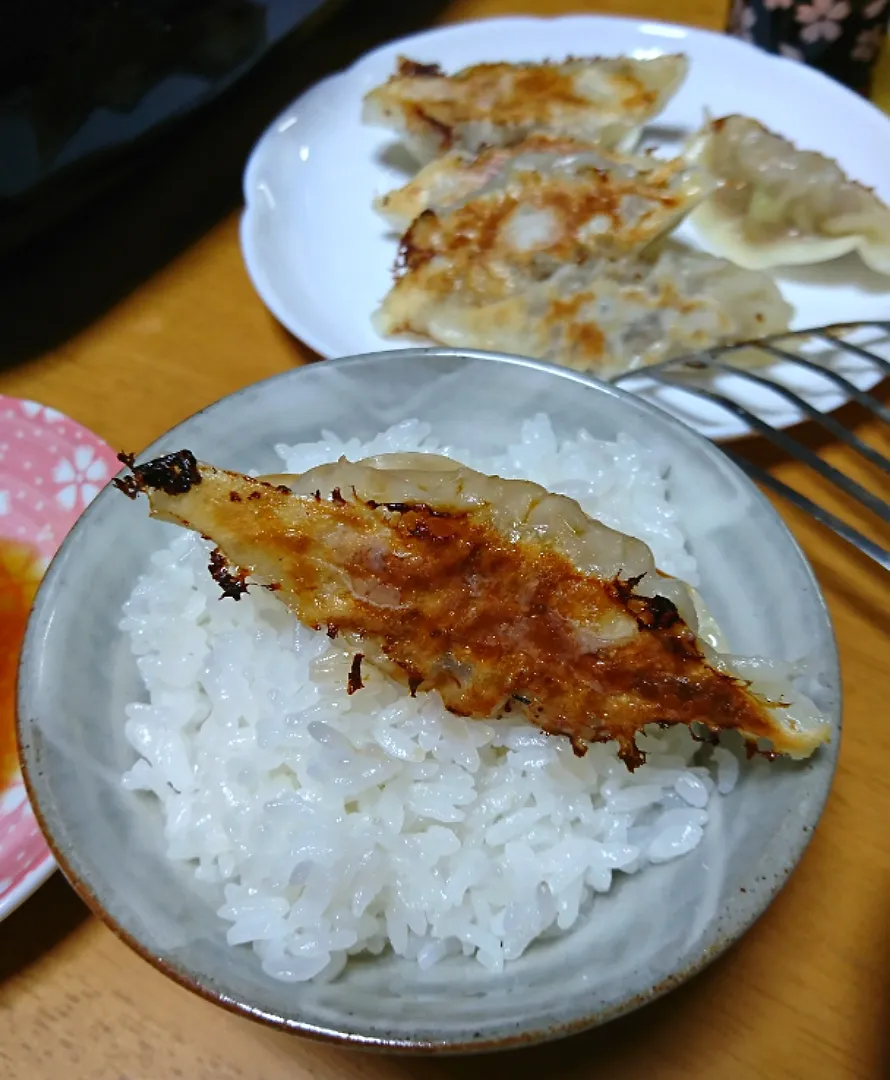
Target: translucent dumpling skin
776,205
495,593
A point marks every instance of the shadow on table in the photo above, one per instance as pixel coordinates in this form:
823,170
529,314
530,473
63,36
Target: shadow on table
877,1012
39,925
184,182
882,1018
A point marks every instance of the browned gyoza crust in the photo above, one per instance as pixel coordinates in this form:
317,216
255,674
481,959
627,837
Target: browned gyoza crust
443,600
596,96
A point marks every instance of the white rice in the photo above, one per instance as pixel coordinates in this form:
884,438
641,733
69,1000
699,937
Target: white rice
337,825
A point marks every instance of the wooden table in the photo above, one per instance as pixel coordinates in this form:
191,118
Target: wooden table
139,313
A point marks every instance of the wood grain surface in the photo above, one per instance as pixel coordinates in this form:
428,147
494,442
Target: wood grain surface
138,313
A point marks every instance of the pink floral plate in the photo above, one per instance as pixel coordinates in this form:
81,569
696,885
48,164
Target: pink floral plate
50,469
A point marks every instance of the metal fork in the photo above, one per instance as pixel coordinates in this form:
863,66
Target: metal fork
831,346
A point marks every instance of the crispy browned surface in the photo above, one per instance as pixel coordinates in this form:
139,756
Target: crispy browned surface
474,232
471,253
505,94
413,198
452,605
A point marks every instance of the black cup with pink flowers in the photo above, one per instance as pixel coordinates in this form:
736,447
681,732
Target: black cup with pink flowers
842,38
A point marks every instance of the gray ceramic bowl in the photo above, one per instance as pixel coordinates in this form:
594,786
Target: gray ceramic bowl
650,933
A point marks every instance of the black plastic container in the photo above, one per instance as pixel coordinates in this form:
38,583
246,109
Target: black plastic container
84,83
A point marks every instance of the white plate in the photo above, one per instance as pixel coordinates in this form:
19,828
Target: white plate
321,259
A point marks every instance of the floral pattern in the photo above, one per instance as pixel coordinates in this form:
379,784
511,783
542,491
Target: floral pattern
50,467
822,19
841,38
791,53
33,410
867,44
747,21
742,20
80,477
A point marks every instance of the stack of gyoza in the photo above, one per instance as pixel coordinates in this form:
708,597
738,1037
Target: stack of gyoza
533,226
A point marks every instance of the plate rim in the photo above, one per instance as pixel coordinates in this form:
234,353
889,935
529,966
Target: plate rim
664,31
41,871
32,881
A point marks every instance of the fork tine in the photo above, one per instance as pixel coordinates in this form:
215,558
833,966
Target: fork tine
786,443
858,350
874,551
827,421
865,399
679,373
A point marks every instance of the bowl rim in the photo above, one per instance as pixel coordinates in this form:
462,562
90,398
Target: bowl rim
532,1033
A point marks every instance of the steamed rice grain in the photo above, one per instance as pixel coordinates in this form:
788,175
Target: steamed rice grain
335,825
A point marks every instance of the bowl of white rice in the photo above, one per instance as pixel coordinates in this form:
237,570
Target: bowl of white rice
370,868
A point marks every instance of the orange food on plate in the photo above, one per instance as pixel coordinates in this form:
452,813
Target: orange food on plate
20,574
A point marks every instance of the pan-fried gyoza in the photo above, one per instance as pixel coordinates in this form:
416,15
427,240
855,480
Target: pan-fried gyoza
496,593
602,99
